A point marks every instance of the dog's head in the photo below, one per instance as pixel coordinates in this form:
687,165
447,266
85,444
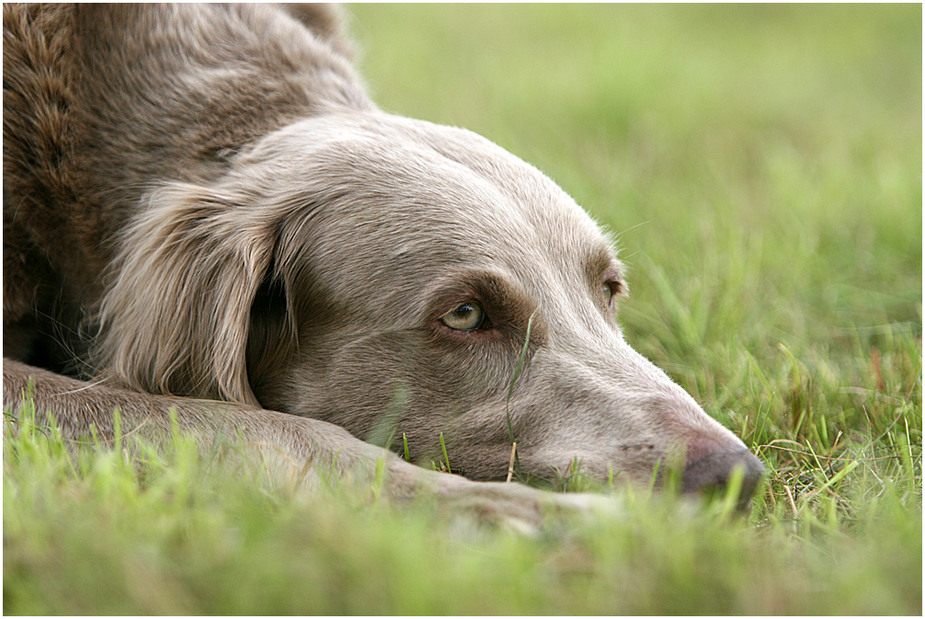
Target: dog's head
405,281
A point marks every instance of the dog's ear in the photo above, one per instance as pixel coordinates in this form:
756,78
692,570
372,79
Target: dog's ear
177,312
273,335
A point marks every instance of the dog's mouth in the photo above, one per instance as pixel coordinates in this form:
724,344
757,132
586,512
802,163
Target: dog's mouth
736,472
716,475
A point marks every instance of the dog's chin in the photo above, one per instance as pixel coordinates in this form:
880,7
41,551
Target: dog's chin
543,468
562,469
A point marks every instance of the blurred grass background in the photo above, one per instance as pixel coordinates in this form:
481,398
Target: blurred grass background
761,168
759,164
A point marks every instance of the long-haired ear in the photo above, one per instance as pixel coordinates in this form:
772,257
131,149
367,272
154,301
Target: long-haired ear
176,314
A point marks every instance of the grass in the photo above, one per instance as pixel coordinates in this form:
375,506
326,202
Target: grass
761,166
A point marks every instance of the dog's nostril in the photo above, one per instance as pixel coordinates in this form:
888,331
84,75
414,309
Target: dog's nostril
714,470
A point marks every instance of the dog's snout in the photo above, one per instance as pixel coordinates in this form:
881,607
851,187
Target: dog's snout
714,470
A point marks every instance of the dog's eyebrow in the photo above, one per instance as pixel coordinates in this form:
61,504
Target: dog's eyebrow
488,286
601,260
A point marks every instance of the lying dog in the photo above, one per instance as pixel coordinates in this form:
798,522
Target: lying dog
203,210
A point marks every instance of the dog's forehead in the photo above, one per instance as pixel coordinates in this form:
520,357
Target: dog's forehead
419,176
384,192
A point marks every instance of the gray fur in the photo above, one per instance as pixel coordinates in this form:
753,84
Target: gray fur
201,201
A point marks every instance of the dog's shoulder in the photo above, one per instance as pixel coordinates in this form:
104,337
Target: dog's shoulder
37,98
40,218
326,21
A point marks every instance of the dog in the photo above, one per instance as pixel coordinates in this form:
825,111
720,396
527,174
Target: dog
204,211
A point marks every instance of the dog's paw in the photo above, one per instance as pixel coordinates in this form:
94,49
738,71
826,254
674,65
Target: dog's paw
477,505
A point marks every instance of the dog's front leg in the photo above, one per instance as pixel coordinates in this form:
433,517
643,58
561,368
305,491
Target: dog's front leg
292,448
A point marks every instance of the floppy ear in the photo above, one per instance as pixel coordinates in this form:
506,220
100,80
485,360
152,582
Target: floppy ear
177,312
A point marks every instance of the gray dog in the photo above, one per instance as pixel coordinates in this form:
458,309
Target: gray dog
203,210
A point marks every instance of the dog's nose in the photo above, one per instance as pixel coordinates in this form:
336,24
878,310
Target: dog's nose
713,470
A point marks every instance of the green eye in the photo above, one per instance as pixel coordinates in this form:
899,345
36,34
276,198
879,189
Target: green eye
467,317
610,290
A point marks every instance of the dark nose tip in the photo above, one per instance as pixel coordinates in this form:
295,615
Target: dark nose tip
713,471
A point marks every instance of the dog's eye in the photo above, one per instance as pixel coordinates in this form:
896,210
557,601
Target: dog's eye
467,317
610,290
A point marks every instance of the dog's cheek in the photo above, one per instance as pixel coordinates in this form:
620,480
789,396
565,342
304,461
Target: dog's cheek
406,384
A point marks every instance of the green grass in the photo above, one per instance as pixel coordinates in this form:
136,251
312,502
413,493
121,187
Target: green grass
761,167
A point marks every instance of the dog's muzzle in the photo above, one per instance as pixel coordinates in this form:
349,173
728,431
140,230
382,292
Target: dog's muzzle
714,470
